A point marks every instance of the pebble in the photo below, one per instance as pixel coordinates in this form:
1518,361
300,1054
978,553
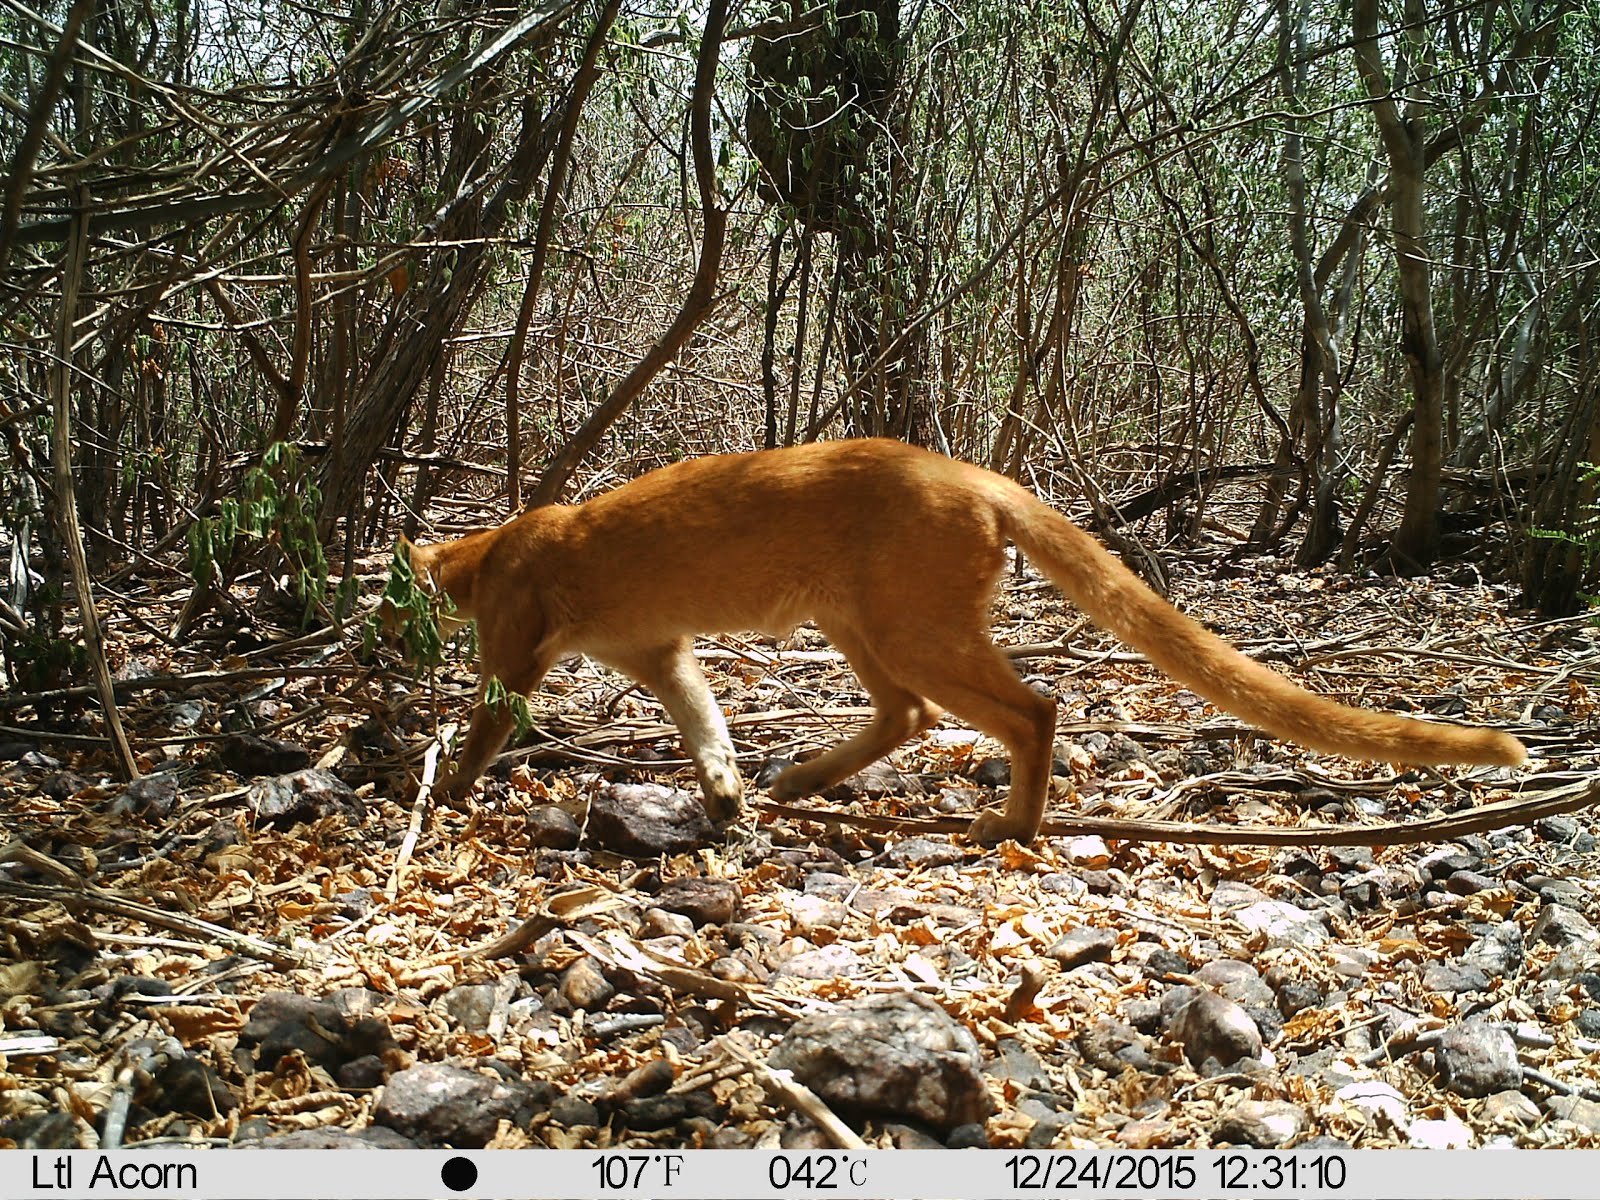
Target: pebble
441,1104
1282,923
552,827
1211,1026
703,901
1238,981
1082,945
1265,1124
1560,926
583,986
1477,1059
897,1055
646,820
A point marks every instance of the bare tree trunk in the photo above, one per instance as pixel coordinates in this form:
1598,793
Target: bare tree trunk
702,292
66,501
1403,137
581,84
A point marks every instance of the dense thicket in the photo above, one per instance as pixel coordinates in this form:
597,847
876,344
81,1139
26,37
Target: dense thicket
1322,280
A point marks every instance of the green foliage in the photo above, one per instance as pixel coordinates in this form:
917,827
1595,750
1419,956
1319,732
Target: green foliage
410,613
1584,534
275,514
500,698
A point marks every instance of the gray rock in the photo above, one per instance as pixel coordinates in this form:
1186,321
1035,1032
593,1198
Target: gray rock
1581,958
470,1006
1499,950
1562,926
328,1032
1451,978
703,901
1283,924
921,852
552,827
658,922
1583,1113
49,1131
813,915
154,795
250,755
1477,1059
826,962
188,1085
646,820
1469,883
1212,1026
583,986
1266,1124
304,796
1081,945
879,779
571,1110
894,1055
439,1104
1112,1045
1236,980
1510,1109
374,1137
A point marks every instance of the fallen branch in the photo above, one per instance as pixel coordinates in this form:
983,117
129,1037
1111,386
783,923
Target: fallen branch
197,930
1519,810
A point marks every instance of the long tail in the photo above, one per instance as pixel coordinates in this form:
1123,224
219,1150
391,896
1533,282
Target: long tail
1119,602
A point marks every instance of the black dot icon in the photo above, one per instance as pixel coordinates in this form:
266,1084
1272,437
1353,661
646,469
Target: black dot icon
458,1174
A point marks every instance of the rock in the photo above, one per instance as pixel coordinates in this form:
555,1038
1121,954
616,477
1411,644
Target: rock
440,1104
971,1136
658,922
374,1137
188,1085
1498,951
49,1131
1089,852
1238,981
703,901
827,962
1583,1113
1580,958
1451,1133
1266,1124
1212,1026
646,820
653,1078
1444,861
1510,1109
877,780
583,986
992,773
304,796
1297,995
552,827
1282,924
1081,945
471,1005
570,1111
249,755
1230,894
362,1074
1559,828
1450,978
921,852
154,796
1562,926
328,1032
817,915
1477,1059
1112,1045
1376,1098
893,1055
1469,883
1014,1063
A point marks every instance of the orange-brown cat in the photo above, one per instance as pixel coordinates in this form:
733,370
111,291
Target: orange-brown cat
894,553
